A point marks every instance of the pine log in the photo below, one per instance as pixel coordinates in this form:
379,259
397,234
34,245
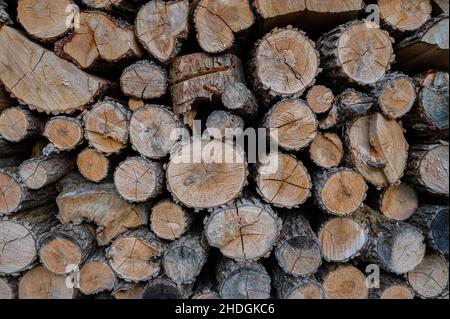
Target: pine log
320,99
8,288
136,255
356,52
46,20
246,229
100,204
344,282
404,16
19,123
326,150
433,221
339,191
330,120
352,104
392,287
144,80
297,250
283,181
154,131
428,168
93,165
161,25
292,124
96,275
66,245
185,257
37,83
206,287
20,235
134,104
223,125
290,287
242,280
106,126
99,38
127,290
216,21
169,221
237,98
163,288
64,132
206,174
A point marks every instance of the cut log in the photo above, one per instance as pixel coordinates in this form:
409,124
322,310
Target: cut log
352,104
169,220
161,25
8,288
106,126
356,52
136,255
46,20
292,124
223,125
344,282
64,132
392,287
297,251
242,280
20,235
433,221
93,165
427,48
237,98
326,150
339,191
428,168
320,99
404,16
99,38
246,229
396,95
430,278
154,130
96,275
39,283
163,288
217,21
66,245
278,70
206,287
18,124
37,81
144,80
134,104
16,196
290,287
41,171
283,181
100,204
330,120
127,290
185,257
138,179
206,174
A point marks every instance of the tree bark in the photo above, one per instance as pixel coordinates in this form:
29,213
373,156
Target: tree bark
169,221
19,123
206,287
93,165
8,149
64,132
392,287
126,6
352,104
290,287
237,98
127,290
163,288
330,120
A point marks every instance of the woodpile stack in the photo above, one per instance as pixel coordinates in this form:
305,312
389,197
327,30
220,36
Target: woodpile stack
117,119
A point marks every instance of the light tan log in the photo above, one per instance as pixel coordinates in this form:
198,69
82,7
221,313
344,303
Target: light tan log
290,287
326,150
37,83
344,282
39,283
404,16
134,104
237,98
164,288
19,123
64,132
168,220
93,165
392,287
320,99
96,275
8,288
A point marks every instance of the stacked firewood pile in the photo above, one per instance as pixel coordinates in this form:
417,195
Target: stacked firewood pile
100,197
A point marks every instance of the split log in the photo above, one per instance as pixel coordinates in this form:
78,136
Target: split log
356,52
392,287
169,221
16,196
292,124
433,221
430,278
278,70
428,168
290,287
283,181
330,120
326,150
242,280
223,125
352,104
138,179
154,130
427,48
185,257
64,132
106,126
163,288
99,38
127,290
344,282
66,245
144,80
237,98
37,83
320,99
206,174
8,288
217,21
136,255
20,235
404,16
18,124
246,229
39,283
339,191
100,204
206,287
96,275
297,250
161,25
46,20
93,165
